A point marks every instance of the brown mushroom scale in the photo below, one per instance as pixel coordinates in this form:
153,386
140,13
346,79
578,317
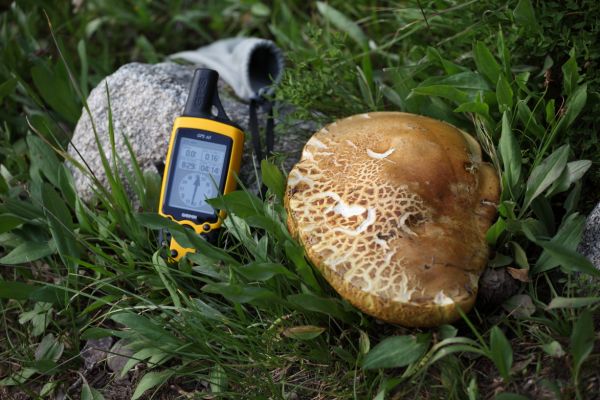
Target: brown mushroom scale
393,208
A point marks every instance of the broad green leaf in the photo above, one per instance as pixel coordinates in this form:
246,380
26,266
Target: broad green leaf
55,88
241,203
273,178
218,379
568,236
525,16
553,349
449,67
569,259
486,63
145,328
447,331
327,306
8,222
43,160
343,23
570,74
467,80
582,338
501,352
89,393
61,227
27,252
511,156
529,120
546,173
304,332
259,271
573,108
572,302
240,294
571,174
476,107
184,237
295,253
504,94
50,348
397,351
150,380
493,234
7,87
445,91
542,209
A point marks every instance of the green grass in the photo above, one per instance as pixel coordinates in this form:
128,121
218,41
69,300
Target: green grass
251,317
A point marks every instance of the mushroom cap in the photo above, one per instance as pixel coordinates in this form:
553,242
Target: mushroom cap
393,209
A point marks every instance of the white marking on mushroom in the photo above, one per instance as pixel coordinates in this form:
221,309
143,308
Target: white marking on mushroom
307,155
442,300
362,227
324,130
404,294
317,143
365,115
381,243
402,223
295,178
324,153
388,256
380,156
351,144
346,210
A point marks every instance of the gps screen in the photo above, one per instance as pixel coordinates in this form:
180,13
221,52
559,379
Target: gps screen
197,174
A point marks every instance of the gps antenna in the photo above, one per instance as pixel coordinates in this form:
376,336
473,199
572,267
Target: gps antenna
203,95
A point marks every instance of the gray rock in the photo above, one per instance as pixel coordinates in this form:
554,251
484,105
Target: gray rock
96,351
120,355
590,241
145,100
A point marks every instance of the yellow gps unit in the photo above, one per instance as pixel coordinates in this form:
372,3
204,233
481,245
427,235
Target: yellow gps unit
204,155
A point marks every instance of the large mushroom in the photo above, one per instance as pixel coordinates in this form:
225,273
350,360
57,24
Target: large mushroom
393,208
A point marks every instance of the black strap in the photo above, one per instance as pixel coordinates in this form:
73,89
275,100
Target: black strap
267,107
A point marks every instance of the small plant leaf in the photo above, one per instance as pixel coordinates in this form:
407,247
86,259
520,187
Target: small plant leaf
553,349
273,178
486,63
397,351
568,236
343,23
504,93
546,173
305,332
218,379
519,306
582,339
571,174
570,74
259,271
501,352
328,306
525,16
569,259
61,226
511,156
27,252
445,91
150,380
89,393
572,302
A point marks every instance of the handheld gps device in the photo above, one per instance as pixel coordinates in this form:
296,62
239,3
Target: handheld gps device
205,152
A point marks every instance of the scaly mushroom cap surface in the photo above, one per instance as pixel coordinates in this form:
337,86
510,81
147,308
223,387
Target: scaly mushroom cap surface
393,208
